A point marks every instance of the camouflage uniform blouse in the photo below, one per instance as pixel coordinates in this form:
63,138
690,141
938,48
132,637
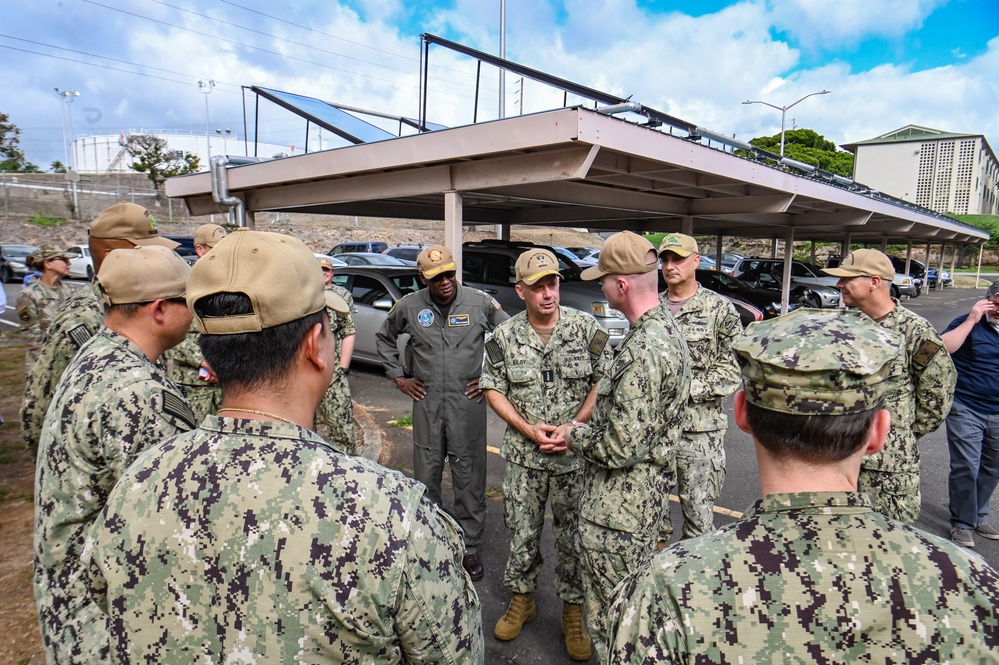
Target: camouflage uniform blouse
253,540
637,421
546,383
809,578
80,319
37,305
709,324
111,404
922,380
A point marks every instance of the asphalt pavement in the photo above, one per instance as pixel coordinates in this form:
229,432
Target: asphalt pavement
541,641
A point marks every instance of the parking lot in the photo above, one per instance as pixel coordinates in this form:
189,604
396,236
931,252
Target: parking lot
541,641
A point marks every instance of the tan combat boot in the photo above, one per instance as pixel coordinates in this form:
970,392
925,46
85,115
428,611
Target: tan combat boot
577,639
522,610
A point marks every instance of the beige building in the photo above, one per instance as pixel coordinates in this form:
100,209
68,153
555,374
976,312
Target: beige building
947,173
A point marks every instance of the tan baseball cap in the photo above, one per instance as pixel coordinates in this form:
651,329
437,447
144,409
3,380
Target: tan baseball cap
624,253
276,272
864,263
534,264
435,260
325,263
143,274
209,235
131,222
679,244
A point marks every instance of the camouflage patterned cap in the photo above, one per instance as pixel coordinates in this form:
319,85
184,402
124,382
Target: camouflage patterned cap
45,253
816,362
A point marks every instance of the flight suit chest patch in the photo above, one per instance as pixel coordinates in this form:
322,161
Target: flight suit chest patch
456,320
425,318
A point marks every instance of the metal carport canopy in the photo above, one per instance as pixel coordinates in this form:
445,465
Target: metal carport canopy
571,167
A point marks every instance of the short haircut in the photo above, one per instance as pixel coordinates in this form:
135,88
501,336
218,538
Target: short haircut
256,359
993,290
819,439
126,310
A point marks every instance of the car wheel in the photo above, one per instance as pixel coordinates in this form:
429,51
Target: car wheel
90,273
916,292
812,300
894,292
8,275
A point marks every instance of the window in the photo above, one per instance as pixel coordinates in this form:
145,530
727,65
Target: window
366,290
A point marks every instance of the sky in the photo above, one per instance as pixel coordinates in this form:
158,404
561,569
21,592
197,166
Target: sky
136,63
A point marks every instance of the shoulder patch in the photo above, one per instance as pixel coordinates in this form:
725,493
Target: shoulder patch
496,304
176,406
598,342
925,353
494,351
79,335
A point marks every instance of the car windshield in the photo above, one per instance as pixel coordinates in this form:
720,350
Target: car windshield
407,283
18,251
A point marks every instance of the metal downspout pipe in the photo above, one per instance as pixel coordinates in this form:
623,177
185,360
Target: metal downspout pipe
220,192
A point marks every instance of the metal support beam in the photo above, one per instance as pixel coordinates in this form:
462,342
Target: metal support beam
687,224
785,291
452,226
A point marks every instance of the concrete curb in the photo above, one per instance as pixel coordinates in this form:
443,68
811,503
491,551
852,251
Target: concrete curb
367,434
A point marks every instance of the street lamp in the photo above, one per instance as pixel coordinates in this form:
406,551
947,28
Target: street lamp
206,88
783,112
225,134
67,96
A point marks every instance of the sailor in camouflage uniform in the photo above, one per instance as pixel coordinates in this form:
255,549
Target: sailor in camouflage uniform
539,372
251,538
709,324
630,446
921,387
447,324
122,226
39,302
112,403
185,362
812,573
335,416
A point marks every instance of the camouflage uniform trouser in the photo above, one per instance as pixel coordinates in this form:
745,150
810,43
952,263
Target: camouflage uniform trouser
336,415
204,399
893,494
700,474
74,630
526,492
607,556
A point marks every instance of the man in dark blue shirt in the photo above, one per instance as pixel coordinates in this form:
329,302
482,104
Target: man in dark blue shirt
973,421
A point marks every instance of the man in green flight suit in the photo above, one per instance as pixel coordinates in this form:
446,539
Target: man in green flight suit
447,324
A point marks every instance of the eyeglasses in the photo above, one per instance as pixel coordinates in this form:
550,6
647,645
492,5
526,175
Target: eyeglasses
449,275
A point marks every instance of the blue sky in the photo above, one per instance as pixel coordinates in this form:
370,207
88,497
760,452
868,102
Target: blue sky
136,63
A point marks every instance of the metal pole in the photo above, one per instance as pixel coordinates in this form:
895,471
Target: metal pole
502,54
783,115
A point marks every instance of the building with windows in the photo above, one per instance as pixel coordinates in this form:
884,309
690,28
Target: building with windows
945,172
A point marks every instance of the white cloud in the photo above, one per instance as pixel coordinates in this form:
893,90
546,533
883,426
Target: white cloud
821,23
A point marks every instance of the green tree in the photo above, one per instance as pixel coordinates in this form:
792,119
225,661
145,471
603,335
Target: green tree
810,147
57,167
11,156
153,158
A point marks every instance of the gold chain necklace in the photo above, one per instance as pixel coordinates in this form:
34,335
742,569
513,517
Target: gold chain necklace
254,411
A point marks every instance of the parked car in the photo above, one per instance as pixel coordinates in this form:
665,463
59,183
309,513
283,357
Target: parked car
766,300
728,261
405,252
375,290
902,284
12,262
821,289
489,265
583,252
374,247
571,256
81,265
367,259
944,280
809,295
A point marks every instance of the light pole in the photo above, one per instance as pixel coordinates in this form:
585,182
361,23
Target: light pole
783,112
225,134
67,112
206,88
